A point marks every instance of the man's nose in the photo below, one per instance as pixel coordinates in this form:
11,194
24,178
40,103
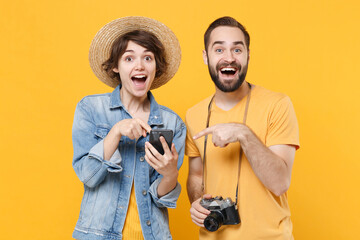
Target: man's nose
229,56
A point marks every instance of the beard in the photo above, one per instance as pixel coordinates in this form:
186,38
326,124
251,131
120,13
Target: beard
227,88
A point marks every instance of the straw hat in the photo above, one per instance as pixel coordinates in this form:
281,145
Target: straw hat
101,45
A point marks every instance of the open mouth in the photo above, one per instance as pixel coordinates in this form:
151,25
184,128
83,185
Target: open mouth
228,71
139,80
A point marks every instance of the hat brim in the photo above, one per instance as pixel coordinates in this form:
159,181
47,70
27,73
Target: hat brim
101,45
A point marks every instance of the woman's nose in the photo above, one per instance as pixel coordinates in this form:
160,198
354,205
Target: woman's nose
139,65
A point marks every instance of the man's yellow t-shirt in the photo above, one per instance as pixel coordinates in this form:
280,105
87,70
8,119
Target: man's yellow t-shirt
272,118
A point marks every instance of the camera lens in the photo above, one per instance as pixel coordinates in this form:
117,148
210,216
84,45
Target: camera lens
213,221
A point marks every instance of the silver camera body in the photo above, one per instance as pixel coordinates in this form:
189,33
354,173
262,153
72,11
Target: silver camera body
222,212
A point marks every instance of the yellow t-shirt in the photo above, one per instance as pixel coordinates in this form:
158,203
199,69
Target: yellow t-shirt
272,118
132,226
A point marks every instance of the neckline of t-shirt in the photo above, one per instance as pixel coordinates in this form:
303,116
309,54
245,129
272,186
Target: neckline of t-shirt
214,107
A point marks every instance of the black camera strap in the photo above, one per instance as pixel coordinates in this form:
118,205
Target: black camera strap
241,150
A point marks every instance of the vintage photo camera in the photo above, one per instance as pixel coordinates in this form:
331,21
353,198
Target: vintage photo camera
223,212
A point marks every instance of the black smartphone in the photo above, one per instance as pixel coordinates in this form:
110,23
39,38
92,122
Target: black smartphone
155,141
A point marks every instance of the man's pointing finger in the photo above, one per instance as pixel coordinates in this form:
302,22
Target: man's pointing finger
204,132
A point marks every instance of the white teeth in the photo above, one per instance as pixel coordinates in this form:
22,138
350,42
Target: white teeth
228,69
139,76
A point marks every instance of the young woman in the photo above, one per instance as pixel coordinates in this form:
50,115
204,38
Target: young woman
128,184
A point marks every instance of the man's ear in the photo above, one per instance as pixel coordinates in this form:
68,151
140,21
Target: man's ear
115,70
205,57
248,55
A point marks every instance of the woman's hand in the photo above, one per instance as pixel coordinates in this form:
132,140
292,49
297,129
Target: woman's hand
165,164
132,128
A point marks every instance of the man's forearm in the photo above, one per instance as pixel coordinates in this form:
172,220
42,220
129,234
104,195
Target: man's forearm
194,187
271,169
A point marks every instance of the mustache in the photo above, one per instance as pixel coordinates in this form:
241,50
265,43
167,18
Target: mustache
232,64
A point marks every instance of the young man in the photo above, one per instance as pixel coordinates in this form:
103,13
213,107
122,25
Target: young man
253,136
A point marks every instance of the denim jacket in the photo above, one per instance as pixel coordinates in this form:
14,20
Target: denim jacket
108,184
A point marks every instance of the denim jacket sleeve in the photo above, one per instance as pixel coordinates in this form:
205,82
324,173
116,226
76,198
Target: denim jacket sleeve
87,136
169,200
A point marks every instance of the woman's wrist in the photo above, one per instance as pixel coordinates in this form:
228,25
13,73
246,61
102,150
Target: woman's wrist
172,177
167,184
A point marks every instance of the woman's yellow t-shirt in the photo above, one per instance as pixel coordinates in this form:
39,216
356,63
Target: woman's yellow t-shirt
132,227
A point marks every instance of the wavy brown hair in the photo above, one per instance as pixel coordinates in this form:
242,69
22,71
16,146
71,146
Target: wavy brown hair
144,39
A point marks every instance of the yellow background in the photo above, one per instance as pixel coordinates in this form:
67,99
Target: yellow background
307,49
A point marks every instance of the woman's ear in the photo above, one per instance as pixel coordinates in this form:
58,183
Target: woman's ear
115,70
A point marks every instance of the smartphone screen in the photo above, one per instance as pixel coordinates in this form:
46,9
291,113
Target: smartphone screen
155,141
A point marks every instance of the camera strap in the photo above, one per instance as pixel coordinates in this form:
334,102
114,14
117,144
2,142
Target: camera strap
241,150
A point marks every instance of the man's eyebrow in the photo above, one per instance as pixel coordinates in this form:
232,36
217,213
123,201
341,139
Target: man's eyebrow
218,42
234,43
239,42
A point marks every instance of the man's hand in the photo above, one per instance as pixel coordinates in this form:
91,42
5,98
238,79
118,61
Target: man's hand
272,165
223,134
199,213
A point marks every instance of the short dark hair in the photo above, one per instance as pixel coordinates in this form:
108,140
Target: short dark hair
225,21
144,39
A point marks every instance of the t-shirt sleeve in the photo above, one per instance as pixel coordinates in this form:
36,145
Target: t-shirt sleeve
190,148
283,126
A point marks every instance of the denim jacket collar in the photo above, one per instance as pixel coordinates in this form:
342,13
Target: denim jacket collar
154,118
